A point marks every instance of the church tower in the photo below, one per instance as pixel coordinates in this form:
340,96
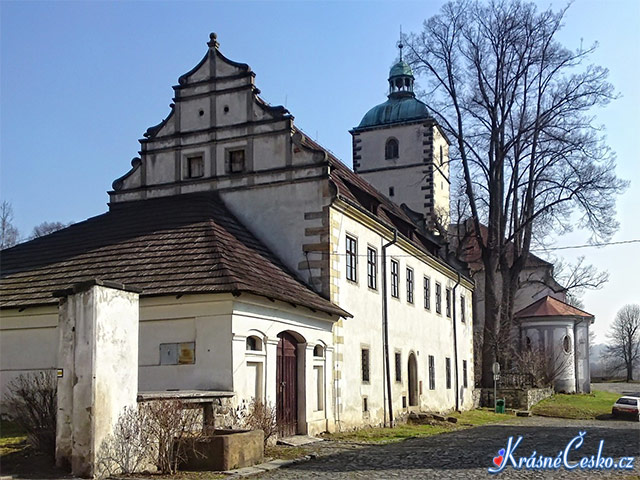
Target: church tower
401,150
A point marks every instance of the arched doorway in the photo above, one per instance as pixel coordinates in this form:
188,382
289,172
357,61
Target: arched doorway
413,381
287,385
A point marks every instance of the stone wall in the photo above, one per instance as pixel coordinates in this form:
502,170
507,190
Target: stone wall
516,398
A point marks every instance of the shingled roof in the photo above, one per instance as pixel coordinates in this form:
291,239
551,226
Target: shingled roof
170,245
551,307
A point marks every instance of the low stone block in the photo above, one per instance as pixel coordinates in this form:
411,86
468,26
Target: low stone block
523,413
452,419
439,418
226,450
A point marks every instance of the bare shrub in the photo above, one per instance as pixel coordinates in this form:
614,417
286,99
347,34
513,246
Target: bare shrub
546,367
174,428
261,416
31,403
131,446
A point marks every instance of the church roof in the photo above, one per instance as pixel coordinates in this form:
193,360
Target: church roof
400,69
551,307
171,245
395,110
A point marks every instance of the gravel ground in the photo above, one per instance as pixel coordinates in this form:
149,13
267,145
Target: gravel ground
467,454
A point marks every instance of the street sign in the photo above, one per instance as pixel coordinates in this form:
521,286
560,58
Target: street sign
496,377
496,368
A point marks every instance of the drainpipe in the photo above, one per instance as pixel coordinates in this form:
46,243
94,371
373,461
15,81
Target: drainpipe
455,343
575,352
385,325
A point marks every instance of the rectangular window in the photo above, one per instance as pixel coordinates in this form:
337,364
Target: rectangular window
352,259
195,166
319,374
398,367
427,293
365,404
438,298
235,161
365,365
394,278
409,285
448,297
464,373
432,373
372,268
462,309
448,367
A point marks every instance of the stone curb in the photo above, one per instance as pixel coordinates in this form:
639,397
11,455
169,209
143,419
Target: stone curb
264,467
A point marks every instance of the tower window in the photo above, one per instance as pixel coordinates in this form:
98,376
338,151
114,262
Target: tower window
441,155
391,149
392,191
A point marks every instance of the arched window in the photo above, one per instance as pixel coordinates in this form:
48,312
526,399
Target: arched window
566,344
391,149
318,351
254,343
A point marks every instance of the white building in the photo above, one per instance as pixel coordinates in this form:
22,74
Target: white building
267,268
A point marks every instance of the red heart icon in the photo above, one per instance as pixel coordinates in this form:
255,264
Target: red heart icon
498,460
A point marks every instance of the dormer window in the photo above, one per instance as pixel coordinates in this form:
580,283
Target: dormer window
195,166
235,161
391,149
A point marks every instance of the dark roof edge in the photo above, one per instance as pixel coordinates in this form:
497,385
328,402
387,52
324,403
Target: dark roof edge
84,286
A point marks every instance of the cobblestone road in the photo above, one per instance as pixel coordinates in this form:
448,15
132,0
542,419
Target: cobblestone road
467,454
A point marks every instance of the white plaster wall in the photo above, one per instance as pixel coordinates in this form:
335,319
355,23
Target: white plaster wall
409,138
254,316
411,329
548,334
203,319
261,210
28,342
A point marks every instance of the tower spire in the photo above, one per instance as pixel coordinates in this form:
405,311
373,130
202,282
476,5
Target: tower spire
400,45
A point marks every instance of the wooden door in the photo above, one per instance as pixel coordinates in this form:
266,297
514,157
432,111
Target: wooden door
287,385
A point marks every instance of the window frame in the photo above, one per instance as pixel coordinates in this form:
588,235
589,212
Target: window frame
427,292
190,170
230,163
432,372
438,298
410,284
398,366
365,360
465,383
372,268
463,309
447,296
395,278
448,372
351,258
391,149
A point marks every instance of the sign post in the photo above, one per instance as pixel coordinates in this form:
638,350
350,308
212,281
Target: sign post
496,377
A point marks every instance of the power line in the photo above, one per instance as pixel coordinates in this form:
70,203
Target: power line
586,245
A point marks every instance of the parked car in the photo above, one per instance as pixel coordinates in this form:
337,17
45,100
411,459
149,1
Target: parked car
626,406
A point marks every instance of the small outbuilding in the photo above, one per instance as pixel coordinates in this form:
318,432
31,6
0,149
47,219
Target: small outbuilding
561,332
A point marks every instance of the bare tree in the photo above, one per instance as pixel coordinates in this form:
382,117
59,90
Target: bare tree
578,277
517,106
45,228
9,235
624,340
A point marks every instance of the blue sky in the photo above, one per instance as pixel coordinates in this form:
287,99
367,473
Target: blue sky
80,82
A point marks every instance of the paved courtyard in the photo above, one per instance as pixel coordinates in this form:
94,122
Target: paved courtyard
467,454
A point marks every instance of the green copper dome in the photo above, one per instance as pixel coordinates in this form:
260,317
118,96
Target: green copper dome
402,106
396,109
400,69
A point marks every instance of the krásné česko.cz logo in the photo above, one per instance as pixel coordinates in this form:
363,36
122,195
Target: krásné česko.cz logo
567,458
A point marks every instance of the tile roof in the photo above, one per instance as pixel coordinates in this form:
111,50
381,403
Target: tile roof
551,307
170,245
